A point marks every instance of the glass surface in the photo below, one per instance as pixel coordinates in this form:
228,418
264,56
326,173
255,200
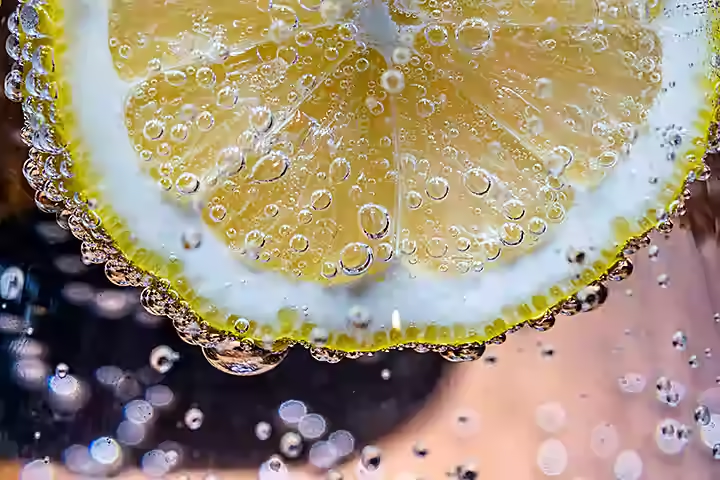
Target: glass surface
91,385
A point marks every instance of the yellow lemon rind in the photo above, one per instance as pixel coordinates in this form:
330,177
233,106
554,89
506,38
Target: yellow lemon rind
107,240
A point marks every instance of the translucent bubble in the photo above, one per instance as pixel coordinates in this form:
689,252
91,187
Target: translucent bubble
241,325
374,220
139,412
205,121
543,88
159,395
154,463
194,418
666,436
12,282
437,188
679,340
227,98
263,430
230,161
187,183
61,370
273,469
130,433
38,470
261,118
343,441
162,358
632,383
477,181
401,55
299,243
105,450
270,167
473,35
436,35
291,411
339,170
323,455
370,457
320,199
153,129
291,445
425,107
628,466
355,258
312,426
552,457
393,81
550,417
710,433
205,77
604,440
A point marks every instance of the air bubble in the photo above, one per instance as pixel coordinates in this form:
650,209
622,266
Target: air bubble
355,258
437,188
473,35
374,220
393,81
187,183
436,35
270,167
153,130
194,418
425,107
477,181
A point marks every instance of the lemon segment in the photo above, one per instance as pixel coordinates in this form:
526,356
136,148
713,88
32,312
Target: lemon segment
366,172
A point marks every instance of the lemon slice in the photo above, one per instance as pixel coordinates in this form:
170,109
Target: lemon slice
362,174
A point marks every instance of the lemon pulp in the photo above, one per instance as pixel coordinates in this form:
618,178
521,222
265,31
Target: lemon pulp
384,172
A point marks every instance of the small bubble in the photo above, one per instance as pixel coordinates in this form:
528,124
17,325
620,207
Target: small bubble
663,280
693,361
194,418
370,458
437,188
263,430
162,358
393,81
702,415
312,426
374,220
550,417
291,445
425,107
241,325
270,167
355,258
385,374
187,183
419,450
679,340
436,35
61,370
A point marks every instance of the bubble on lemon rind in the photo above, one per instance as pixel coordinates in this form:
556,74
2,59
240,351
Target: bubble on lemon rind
55,194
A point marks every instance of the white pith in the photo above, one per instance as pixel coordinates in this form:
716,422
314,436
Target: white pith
475,299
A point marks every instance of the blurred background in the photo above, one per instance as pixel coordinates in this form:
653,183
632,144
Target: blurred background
93,386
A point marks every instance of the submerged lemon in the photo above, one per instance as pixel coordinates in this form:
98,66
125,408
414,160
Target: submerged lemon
363,173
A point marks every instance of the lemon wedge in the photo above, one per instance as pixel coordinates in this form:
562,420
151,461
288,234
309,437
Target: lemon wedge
363,174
